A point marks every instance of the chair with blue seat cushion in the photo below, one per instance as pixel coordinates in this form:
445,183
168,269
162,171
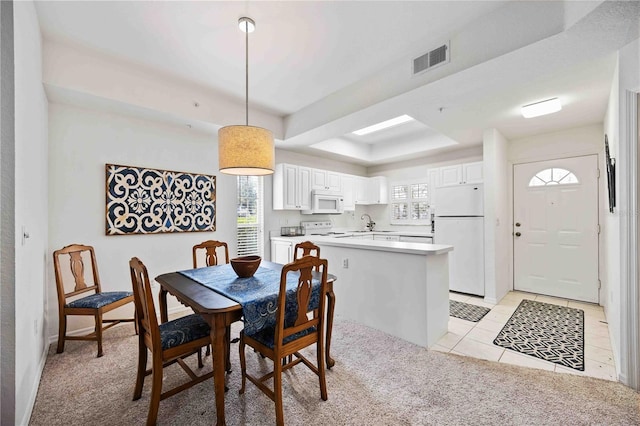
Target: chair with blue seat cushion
73,287
211,258
170,342
294,329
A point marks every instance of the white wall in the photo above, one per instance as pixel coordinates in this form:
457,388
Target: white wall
82,141
628,84
7,217
497,241
564,143
610,260
30,208
89,74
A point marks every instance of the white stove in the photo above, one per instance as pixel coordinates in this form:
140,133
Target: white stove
319,228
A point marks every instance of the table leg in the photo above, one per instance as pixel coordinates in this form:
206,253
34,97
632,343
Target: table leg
227,345
331,298
218,339
162,298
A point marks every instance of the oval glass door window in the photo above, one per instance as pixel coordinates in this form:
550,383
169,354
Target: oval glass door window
553,176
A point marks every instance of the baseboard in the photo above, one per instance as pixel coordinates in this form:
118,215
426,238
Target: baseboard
491,300
34,388
622,378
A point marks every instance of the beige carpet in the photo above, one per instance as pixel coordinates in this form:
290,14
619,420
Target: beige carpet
377,380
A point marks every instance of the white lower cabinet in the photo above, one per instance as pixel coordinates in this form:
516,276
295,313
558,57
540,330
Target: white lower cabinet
365,237
281,251
416,239
386,237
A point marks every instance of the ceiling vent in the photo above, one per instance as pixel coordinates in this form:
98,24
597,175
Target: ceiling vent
436,57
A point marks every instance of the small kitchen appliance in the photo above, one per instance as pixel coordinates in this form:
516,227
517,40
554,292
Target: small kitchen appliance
325,202
292,231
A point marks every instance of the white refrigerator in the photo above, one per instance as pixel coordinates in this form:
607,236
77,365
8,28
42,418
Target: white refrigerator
459,222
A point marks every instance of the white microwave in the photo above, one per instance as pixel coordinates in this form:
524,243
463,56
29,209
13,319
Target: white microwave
325,202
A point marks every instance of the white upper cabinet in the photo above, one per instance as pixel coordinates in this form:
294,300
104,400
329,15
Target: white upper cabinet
362,190
349,192
372,190
326,180
378,190
473,172
451,175
291,187
460,174
434,181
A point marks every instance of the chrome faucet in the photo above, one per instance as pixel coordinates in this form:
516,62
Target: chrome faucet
370,223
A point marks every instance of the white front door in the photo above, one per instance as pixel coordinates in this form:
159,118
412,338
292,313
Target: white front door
555,227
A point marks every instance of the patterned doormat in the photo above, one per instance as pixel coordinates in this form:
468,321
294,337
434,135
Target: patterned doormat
467,311
549,332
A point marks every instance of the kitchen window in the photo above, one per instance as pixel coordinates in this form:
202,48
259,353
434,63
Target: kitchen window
250,216
410,203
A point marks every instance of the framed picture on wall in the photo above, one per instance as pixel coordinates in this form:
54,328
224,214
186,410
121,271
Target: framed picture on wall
611,175
140,200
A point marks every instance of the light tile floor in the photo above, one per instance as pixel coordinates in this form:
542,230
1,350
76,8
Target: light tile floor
475,339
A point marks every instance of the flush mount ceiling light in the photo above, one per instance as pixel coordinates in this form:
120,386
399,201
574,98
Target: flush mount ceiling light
246,150
541,108
383,125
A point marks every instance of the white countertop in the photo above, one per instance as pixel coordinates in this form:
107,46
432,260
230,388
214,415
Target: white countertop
366,244
386,232
355,233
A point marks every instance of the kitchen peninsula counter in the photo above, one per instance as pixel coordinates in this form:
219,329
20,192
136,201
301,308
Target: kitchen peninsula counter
352,240
401,288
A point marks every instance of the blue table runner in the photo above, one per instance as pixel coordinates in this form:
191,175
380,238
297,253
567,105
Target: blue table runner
258,295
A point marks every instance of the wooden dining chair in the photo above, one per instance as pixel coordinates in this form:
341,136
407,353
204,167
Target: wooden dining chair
168,343
293,331
211,252
306,248
211,258
72,283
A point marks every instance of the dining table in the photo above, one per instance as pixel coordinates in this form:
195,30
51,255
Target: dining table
220,311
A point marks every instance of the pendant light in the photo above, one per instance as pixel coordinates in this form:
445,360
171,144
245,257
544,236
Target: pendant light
246,150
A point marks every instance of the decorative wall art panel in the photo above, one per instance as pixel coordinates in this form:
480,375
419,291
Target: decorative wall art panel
149,201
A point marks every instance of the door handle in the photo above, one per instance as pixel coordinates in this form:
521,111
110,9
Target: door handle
518,234
517,223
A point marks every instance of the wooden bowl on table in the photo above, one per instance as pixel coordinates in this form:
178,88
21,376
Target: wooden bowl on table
246,266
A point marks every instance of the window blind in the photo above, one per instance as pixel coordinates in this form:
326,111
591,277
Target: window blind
250,216
410,203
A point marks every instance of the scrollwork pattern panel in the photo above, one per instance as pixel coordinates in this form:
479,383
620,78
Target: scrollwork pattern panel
149,201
